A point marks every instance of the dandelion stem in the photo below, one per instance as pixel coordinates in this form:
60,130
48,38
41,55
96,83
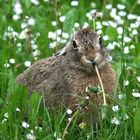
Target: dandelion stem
101,83
65,130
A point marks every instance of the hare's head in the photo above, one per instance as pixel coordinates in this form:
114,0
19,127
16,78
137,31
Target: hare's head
85,50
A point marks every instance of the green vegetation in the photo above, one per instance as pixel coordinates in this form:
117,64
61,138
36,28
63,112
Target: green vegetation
35,29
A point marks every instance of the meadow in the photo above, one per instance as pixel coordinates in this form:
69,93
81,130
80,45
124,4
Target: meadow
35,29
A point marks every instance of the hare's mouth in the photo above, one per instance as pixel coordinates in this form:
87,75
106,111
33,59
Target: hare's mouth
87,61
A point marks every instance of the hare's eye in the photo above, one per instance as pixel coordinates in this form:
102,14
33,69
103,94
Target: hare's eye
74,44
100,41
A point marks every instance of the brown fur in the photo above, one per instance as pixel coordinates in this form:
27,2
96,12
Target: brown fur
63,79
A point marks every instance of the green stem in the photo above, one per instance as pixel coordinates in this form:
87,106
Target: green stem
94,25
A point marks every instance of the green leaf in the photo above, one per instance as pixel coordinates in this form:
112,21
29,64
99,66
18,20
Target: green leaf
112,33
118,68
69,22
93,89
137,48
12,85
34,103
137,123
27,3
1,101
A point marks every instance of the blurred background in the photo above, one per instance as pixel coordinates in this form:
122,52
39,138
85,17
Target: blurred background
35,29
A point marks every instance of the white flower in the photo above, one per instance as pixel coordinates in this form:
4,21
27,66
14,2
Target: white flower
120,22
6,115
4,120
52,35
23,34
15,34
122,13
134,32
17,8
38,128
74,3
52,44
138,78
63,41
16,17
125,117
89,16
59,31
93,4
108,6
132,46
115,108
98,25
105,23
36,53
136,94
110,58
114,43
34,46
113,12
127,39
25,125
19,44
97,14
126,83
23,25
59,139
120,6
31,21
35,2
85,25
37,34
112,24
115,121
110,46
17,109
131,16
121,96
138,1
69,111
54,23
69,119
87,97
99,32
12,61
76,25
27,63
105,37
65,35
134,25
82,125
120,30
126,50
6,65
30,137
117,18
62,18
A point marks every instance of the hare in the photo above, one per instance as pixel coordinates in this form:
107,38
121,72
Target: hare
63,78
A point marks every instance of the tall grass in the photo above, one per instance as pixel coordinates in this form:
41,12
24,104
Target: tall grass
22,116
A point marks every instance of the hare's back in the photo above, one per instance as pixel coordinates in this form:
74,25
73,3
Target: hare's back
39,71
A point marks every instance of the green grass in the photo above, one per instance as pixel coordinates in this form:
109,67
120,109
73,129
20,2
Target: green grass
14,97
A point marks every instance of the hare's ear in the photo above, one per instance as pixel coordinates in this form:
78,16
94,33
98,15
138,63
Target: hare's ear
64,50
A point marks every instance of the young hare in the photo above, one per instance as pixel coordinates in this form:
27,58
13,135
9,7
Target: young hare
63,78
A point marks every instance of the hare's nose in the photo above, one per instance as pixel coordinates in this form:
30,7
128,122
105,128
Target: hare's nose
93,62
